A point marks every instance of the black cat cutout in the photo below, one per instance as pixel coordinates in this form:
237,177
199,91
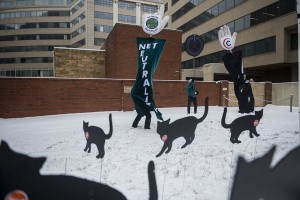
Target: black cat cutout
95,135
184,127
21,172
258,181
244,123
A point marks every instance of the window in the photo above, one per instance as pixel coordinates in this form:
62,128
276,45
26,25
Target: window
229,4
149,8
250,49
102,28
99,41
103,15
126,5
174,1
271,44
294,41
215,10
261,47
239,24
107,3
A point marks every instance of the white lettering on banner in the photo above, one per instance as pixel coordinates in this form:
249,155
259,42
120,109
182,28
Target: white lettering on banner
146,84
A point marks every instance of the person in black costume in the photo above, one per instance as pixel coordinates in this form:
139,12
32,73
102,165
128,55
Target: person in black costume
234,65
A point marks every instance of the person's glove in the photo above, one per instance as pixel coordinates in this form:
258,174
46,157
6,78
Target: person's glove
227,40
154,23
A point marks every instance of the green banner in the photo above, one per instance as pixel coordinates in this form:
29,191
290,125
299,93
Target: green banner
149,53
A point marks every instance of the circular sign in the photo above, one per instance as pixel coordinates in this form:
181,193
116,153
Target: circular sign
255,123
151,23
227,43
16,195
194,45
164,138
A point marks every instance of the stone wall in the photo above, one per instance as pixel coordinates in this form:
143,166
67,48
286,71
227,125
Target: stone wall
79,63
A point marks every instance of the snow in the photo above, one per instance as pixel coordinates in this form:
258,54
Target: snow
203,170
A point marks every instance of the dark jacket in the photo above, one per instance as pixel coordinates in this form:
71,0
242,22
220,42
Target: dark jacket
191,89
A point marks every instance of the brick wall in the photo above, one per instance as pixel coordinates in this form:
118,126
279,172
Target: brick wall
79,63
122,53
24,97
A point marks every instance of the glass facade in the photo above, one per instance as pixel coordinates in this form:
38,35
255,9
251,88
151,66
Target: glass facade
247,21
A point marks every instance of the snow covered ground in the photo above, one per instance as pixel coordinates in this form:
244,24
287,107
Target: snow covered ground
203,170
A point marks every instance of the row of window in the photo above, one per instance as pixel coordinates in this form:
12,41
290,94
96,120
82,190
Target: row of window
78,31
264,14
127,5
26,3
103,15
109,16
26,60
9,15
78,19
267,13
127,18
209,14
251,49
102,28
99,41
97,28
34,25
184,9
27,48
106,3
77,7
35,37
78,44
27,72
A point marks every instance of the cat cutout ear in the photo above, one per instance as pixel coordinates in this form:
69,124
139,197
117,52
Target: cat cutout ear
259,180
7,155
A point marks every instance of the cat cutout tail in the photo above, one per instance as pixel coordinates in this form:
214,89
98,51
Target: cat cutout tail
153,194
205,111
223,119
110,128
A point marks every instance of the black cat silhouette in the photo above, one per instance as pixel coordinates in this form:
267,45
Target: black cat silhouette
184,127
96,135
21,172
248,122
257,180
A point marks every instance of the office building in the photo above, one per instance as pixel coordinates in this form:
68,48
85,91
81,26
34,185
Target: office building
30,29
267,36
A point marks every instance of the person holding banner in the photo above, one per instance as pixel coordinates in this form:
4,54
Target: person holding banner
191,93
149,53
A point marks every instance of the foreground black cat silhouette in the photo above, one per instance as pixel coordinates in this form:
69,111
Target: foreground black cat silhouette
96,135
21,172
184,127
248,122
257,180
